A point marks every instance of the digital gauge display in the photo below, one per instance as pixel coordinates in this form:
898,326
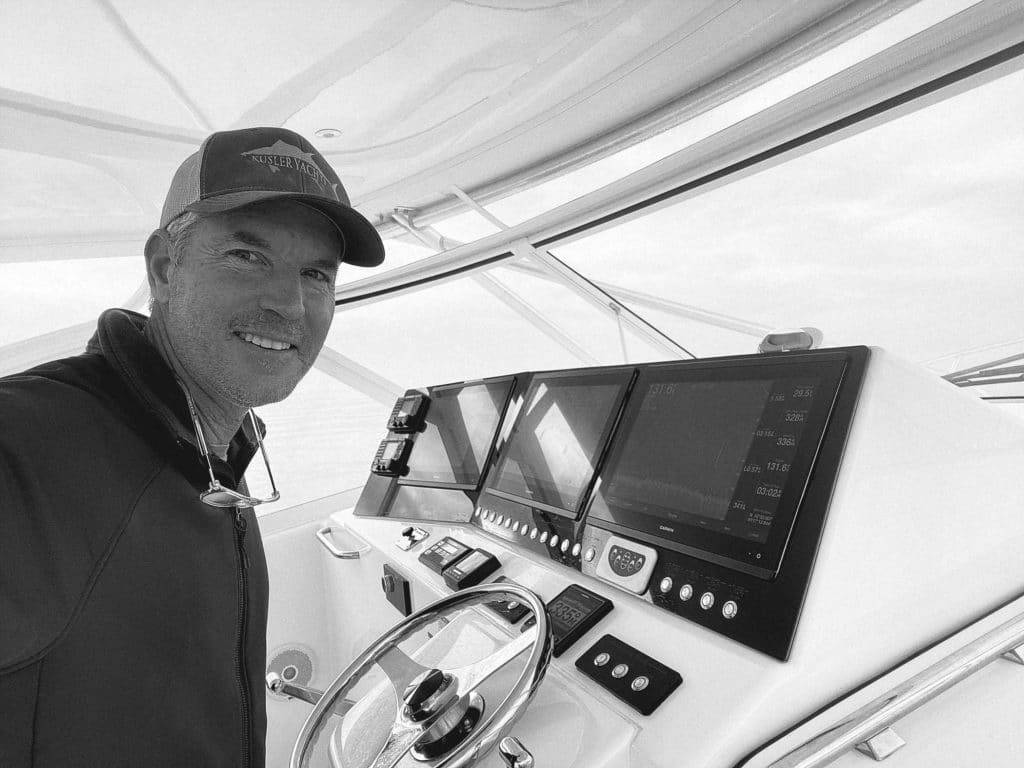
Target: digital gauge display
572,613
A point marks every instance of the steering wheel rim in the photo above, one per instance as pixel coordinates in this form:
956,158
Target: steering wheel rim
480,741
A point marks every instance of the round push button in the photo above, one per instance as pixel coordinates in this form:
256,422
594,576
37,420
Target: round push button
601,659
508,522
501,519
533,533
554,541
476,512
543,536
620,670
590,554
565,546
707,600
666,584
576,549
686,592
639,683
730,609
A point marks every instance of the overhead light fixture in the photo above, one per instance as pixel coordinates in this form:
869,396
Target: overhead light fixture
328,133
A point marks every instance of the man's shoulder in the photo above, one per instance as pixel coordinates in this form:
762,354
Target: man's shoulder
44,395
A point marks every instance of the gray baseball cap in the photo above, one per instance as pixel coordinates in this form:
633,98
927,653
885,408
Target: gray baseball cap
236,168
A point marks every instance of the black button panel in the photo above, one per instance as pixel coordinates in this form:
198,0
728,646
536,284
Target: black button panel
625,562
633,677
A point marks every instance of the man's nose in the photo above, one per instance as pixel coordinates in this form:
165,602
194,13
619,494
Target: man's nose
283,296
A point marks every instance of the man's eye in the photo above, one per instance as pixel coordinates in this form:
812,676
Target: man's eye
244,255
319,276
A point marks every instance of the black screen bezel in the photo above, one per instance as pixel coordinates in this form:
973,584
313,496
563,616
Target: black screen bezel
509,382
624,377
758,559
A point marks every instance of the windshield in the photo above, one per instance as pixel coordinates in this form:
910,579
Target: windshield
906,236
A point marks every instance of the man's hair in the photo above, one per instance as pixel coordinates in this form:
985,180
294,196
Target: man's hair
179,230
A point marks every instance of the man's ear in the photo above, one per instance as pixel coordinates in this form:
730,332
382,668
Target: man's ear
158,265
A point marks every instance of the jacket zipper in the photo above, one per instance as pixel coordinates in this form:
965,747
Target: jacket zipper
243,611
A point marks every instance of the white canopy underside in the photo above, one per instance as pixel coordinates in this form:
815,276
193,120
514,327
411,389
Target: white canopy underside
424,94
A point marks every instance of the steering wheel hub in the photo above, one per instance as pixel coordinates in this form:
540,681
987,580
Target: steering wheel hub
451,728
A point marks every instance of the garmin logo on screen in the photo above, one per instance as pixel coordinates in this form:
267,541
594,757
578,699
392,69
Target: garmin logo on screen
666,529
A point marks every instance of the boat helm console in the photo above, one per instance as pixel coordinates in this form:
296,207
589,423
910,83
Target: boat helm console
700,486
733,553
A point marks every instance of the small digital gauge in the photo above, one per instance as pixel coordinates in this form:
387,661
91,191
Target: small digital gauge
470,570
443,553
391,457
408,413
573,612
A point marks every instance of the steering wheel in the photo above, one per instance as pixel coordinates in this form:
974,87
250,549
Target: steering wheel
439,711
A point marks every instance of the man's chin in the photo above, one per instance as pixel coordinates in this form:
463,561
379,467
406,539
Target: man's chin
270,393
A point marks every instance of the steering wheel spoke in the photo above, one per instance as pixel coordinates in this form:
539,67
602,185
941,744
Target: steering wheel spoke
400,668
400,741
473,675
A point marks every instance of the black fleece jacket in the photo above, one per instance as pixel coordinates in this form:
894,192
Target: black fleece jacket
132,616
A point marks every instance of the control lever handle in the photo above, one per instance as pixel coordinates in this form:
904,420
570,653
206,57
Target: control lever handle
514,753
277,684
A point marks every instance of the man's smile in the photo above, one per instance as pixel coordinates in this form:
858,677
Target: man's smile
264,342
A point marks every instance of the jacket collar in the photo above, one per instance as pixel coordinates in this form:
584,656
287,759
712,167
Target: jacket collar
121,339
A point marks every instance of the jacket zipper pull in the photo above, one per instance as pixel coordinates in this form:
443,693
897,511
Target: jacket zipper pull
241,525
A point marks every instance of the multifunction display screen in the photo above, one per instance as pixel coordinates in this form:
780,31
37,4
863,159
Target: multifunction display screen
460,428
713,460
558,437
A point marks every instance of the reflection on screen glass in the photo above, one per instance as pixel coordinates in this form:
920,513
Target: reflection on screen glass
460,427
551,454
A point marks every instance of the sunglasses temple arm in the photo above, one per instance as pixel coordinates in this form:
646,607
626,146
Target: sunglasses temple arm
263,450
203,449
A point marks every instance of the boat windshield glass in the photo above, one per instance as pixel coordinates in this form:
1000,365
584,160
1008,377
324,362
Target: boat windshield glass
906,236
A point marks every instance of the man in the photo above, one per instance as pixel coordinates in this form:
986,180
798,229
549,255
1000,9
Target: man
133,583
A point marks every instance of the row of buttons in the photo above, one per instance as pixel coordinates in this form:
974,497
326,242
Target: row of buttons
621,670
707,600
552,540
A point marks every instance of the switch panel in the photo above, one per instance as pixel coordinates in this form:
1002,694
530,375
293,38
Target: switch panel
632,676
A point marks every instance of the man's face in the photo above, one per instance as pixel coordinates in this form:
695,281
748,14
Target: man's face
251,298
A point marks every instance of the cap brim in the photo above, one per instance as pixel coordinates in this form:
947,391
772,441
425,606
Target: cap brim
363,246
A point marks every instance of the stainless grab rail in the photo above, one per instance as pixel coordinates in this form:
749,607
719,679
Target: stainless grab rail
324,535
874,718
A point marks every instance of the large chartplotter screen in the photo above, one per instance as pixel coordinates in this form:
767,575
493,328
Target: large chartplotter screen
558,437
713,461
461,424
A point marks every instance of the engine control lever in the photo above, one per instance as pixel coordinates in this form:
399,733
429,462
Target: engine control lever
277,684
514,753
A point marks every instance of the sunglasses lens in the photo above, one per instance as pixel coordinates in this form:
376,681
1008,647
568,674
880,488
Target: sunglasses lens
223,498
